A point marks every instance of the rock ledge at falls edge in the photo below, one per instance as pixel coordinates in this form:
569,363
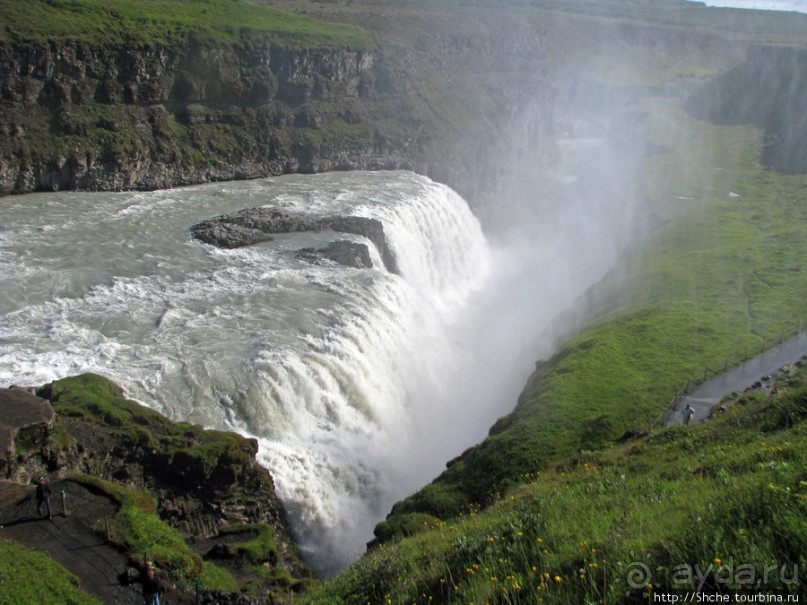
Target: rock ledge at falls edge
254,225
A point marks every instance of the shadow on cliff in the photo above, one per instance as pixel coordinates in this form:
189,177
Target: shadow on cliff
69,537
768,90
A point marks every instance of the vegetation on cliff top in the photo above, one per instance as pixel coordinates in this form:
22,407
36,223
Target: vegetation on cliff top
165,22
718,280
709,507
142,463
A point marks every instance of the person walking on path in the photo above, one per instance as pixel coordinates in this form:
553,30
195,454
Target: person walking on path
152,587
42,497
688,412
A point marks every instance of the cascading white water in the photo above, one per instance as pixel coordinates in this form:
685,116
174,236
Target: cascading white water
338,371
359,384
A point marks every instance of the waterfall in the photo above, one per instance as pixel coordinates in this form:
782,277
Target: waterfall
355,400
340,373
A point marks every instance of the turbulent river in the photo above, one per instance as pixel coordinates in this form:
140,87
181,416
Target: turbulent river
359,384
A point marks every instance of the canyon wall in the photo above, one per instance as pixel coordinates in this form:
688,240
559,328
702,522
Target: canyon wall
82,117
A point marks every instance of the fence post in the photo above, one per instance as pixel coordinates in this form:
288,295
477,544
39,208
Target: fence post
64,504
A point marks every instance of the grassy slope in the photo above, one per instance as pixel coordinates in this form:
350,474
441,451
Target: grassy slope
160,22
727,495
720,276
29,576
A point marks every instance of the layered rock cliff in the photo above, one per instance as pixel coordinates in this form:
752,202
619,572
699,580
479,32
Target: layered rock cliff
205,484
467,95
78,116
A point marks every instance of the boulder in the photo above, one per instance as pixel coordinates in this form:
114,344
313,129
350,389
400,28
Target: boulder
350,254
25,424
254,225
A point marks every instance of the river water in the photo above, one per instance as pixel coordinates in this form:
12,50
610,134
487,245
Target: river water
334,369
359,384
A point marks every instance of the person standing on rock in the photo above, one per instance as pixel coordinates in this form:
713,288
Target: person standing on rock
42,497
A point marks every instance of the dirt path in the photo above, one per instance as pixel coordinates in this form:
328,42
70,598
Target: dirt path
69,539
759,372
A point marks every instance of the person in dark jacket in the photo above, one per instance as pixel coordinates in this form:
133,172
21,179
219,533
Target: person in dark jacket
152,587
42,497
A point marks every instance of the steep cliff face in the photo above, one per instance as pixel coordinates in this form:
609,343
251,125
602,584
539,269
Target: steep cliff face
77,116
770,90
462,94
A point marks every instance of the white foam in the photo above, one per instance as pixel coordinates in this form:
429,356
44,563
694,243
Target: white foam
337,371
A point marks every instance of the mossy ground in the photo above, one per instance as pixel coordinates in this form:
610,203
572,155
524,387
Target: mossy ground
91,412
98,400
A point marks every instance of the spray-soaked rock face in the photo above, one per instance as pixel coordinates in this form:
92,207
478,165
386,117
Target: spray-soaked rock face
349,254
254,225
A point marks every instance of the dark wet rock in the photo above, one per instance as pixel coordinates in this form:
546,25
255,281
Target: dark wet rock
370,228
254,225
767,90
229,235
350,254
26,422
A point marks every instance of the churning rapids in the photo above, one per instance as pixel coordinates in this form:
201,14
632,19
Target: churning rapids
359,384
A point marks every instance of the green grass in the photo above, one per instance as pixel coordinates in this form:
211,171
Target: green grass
31,576
719,277
259,545
141,533
163,22
96,399
728,496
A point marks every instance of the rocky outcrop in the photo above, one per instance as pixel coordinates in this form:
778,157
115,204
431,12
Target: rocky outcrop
101,450
350,254
769,90
25,425
254,225
202,480
77,116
